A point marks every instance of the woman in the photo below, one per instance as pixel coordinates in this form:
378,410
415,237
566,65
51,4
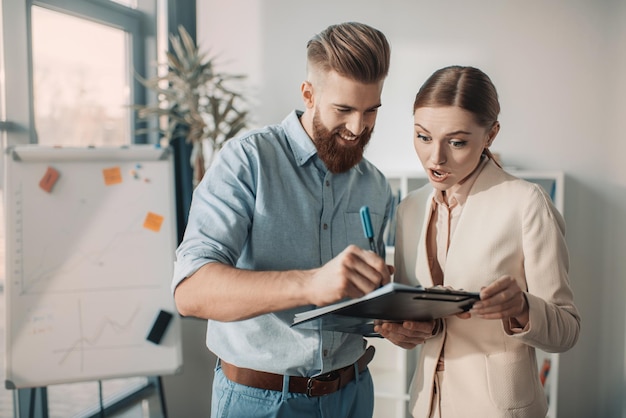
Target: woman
476,227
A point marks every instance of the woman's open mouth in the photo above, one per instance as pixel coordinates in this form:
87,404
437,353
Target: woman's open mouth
437,175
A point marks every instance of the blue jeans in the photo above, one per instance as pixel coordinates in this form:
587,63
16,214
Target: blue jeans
232,400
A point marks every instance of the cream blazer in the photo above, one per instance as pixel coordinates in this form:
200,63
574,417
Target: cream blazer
508,227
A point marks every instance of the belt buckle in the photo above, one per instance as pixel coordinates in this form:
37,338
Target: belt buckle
327,377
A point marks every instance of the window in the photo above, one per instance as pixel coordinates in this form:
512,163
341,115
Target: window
81,81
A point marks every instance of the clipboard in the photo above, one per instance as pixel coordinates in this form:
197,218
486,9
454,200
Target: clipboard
393,302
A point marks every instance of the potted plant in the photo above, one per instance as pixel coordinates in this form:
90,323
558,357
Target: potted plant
196,102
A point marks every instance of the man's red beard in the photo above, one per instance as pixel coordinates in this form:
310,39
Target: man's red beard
338,157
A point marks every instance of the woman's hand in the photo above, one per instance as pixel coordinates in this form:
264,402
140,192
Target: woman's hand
408,334
502,299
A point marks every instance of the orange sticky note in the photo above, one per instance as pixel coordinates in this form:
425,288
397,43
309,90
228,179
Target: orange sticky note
153,222
49,179
112,175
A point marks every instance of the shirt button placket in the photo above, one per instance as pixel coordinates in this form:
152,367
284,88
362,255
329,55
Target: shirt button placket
326,220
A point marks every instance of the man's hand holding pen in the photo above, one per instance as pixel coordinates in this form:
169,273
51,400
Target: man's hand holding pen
351,274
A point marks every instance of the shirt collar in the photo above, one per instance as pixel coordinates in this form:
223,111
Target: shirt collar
460,196
301,144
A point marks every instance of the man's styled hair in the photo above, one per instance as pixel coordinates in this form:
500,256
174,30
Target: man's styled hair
354,50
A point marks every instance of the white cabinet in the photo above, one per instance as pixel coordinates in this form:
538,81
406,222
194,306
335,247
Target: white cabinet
393,367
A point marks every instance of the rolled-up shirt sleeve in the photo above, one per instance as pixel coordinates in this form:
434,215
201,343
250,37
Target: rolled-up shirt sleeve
220,214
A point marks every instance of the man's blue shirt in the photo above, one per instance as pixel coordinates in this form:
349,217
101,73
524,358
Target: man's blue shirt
269,203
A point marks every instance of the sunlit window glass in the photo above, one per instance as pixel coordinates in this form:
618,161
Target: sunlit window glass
81,81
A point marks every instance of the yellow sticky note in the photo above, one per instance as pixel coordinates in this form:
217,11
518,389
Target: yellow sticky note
153,222
112,175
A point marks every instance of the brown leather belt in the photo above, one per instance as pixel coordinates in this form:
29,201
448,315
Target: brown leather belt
313,386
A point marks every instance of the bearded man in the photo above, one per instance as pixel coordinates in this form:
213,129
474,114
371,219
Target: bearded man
274,230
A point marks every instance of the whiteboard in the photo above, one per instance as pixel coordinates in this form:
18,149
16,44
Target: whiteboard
90,241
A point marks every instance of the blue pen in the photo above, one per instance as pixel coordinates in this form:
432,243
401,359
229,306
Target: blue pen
366,221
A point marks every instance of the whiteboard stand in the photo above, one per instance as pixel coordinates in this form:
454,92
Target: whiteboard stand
30,403
33,402
90,241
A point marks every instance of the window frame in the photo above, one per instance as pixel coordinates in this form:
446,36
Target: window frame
139,23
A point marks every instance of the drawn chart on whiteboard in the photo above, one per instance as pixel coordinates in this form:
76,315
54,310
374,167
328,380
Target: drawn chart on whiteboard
89,262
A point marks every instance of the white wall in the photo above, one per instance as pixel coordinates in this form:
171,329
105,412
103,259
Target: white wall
559,67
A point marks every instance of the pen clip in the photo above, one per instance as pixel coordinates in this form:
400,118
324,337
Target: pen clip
366,221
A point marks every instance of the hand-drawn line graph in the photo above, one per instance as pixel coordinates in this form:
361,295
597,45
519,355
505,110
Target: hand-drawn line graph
77,336
84,342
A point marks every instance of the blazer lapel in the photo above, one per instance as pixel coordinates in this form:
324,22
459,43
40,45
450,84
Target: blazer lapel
422,265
